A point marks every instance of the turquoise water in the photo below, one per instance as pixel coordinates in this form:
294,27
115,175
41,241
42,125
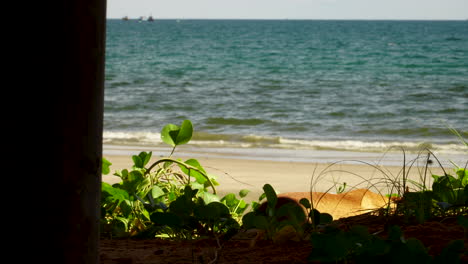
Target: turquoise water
334,85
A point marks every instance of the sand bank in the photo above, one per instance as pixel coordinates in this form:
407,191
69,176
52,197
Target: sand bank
235,174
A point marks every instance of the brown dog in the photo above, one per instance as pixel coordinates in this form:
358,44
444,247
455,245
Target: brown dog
346,204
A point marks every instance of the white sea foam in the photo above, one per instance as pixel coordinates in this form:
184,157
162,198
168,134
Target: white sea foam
131,138
142,138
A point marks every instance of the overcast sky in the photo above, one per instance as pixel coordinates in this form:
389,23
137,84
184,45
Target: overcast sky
290,9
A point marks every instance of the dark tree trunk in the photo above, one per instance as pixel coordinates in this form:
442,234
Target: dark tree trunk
74,186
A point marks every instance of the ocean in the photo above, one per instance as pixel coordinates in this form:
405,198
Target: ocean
291,85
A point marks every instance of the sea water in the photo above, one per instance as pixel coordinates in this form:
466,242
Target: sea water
256,85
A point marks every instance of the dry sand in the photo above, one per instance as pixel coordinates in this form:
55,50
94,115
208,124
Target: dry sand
235,174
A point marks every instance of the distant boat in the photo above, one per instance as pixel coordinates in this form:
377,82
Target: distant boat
150,19
125,18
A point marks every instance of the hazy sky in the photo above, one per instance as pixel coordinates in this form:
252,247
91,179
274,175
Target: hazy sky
290,9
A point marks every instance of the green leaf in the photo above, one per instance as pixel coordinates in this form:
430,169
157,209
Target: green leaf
270,193
325,218
185,133
143,188
196,185
260,221
174,135
230,200
169,134
126,208
209,197
212,179
168,218
314,214
182,206
156,192
212,211
132,182
136,176
114,194
445,189
189,193
241,207
123,174
463,176
145,157
293,213
261,197
141,159
243,193
248,220
328,247
121,227
172,196
306,203
138,163
199,177
105,166
145,213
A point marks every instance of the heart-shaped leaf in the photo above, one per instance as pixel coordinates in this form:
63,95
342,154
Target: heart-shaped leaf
169,134
174,135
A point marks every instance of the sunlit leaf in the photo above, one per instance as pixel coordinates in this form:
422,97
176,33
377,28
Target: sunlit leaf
243,193
138,163
200,178
169,134
174,135
156,192
105,166
185,133
209,197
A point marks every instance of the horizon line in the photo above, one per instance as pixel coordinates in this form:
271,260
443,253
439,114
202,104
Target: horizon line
321,19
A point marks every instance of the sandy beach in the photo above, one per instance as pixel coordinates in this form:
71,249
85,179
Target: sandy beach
236,173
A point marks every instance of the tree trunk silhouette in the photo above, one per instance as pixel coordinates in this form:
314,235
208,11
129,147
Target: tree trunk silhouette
74,187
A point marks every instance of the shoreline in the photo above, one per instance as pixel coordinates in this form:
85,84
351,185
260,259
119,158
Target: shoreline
235,171
395,157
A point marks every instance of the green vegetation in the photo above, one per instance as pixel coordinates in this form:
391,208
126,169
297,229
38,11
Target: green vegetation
169,198
448,197
358,246
176,199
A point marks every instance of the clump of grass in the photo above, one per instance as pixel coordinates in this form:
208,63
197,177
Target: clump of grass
417,196
426,197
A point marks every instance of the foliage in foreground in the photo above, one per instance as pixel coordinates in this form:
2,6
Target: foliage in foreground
334,245
448,197
171,198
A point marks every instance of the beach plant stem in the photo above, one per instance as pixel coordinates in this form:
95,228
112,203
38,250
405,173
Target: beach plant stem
172,152
189,167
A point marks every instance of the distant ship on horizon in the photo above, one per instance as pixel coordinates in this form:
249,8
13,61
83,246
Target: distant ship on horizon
143,18
140,19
